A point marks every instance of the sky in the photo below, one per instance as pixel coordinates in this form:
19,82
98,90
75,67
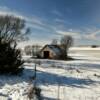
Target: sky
52,19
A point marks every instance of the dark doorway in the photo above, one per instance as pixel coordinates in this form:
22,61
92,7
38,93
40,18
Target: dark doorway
46,54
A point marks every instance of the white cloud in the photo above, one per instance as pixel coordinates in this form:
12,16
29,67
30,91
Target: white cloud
32,21
7,11
73,34
56,12
59,20
38,23
93,35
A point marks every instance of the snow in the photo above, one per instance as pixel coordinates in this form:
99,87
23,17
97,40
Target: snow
84,48
65,80
15,87
73,83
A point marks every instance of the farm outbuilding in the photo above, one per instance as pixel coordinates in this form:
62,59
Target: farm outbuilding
51,52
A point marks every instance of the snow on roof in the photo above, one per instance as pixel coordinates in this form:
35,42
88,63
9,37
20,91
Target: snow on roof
55,48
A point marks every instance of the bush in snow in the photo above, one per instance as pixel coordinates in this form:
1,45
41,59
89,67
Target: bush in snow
34,93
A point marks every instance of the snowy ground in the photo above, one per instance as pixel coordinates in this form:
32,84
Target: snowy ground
65,80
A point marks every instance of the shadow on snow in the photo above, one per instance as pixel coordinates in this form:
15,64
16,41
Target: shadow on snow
45,78
15,79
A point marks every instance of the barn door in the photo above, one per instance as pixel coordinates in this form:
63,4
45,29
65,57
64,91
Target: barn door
46,54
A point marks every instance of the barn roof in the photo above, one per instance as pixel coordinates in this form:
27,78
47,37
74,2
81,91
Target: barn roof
54,48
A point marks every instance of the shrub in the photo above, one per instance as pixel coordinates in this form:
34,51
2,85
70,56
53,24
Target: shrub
34,92
10,58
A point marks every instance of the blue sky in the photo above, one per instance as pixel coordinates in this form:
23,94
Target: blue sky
50,19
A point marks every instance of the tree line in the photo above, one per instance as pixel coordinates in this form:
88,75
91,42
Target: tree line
66,42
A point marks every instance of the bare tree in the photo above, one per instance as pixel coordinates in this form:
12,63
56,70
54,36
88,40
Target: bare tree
28,50
13,29
66,43
35,50
54,42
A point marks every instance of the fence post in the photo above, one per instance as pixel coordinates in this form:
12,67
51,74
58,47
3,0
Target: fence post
58,95
35,75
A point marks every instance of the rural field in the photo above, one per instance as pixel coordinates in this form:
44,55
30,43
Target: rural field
49,49
59,80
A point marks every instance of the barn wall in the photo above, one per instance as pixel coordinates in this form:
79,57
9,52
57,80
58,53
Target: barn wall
52,54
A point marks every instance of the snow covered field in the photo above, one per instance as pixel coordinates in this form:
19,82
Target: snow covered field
64,80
